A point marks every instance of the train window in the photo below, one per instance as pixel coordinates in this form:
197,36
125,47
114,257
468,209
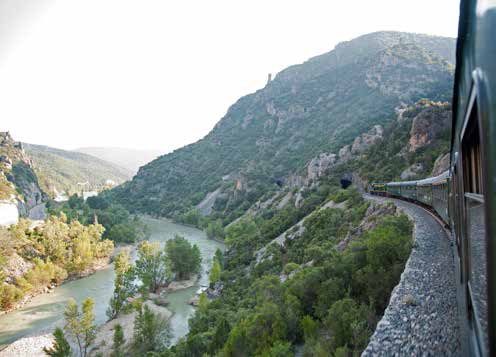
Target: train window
471,154
474,224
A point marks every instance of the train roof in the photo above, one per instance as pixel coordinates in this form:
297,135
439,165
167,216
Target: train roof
436,179
402,183
427,181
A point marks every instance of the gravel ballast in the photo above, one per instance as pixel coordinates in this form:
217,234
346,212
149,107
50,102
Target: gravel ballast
422,316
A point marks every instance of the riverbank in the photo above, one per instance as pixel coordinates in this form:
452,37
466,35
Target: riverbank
45,311
99,264
33,345
105,333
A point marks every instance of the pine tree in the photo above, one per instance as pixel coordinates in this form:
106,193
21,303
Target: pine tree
118,342
202,303
88,326
60,347
151,332
215,272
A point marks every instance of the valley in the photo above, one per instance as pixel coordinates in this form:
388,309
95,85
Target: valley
270,209
42,313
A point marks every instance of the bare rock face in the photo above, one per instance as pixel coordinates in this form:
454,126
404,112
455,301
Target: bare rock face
14,267
411,171
345,153
206,205
441,164
318,165
364,141
18,182
428,124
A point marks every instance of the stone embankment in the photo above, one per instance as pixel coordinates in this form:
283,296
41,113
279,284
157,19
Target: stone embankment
422,316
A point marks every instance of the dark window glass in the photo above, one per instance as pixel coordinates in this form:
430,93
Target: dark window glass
475,228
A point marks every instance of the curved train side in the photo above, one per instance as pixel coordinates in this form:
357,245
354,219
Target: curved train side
465,196
431,192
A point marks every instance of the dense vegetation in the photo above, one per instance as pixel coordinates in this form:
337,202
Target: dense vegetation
53,251
120,226
71,172
305,293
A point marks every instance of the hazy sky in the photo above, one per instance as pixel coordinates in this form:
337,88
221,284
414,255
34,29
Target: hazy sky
159,74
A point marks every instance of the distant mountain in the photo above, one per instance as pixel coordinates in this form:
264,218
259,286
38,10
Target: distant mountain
268,137
69,171
130,159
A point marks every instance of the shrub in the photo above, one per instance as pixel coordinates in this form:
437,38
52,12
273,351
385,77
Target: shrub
9,294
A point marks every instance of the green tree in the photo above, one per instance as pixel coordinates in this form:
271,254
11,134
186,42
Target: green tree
344,318
278,349
183,258
202,303
219,256
309,327
215,272
215,230
119,341
151,267
123,284
81,325
88,323
60,347
122,232
151,331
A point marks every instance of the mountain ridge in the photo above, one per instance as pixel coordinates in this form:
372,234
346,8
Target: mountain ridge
314,107
130,159
70,171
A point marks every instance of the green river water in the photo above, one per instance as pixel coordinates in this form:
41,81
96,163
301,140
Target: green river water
45,310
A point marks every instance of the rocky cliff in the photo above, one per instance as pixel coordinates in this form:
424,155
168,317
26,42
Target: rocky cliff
413,146
20,193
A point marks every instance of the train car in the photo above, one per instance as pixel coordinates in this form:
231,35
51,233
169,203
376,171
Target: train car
409,190
473,169
377,189
465,198
433,192
393,189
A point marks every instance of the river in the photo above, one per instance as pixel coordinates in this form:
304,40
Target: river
45,310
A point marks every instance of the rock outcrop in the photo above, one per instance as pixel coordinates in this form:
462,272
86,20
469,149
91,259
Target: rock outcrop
18,183
428,125
411,171
441,164
206,205
318,165
364,141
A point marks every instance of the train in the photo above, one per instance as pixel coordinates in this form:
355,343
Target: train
464,197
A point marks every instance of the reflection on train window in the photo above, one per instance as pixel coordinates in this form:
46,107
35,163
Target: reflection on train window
475,229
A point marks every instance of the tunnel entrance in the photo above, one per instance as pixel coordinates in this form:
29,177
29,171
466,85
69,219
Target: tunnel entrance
346,181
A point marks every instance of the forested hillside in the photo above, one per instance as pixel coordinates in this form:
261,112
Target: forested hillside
62,171
310,265
268,137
